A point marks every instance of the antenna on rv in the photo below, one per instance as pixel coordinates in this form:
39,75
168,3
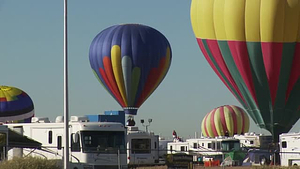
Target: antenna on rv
147,125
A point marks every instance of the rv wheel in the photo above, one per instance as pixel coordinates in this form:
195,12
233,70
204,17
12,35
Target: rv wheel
264,161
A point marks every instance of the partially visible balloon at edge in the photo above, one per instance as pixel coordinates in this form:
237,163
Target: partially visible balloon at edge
253,47
15,105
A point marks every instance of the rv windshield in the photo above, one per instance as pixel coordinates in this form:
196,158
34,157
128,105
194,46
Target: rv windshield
229,145
107,142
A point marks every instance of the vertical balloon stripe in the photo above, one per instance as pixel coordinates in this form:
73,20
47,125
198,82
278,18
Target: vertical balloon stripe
205,126
234,119
234,17
110,77
164,67
259,76
219,62
285,69
117,70
240,56
243,119
272,53
223,120
136,75
150,82
239,119
212,121
127,70
295,73
117,97
229,121
208,126
218,123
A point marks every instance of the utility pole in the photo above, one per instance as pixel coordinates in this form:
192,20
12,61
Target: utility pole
66,101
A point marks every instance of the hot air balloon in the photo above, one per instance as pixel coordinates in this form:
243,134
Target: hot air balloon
15,105
225,120
253,46
130,61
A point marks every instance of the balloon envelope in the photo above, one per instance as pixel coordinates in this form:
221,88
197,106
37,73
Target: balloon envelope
253,46
15,105
228,119
130,61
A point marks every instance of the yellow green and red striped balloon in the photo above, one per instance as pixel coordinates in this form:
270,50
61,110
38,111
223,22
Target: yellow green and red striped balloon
225,119
253,46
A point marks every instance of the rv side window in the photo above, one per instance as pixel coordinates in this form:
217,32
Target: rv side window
182,148
209,145
195,145
155,145
171,149
251,142
50,137
58,142
140,146
284,144
202,144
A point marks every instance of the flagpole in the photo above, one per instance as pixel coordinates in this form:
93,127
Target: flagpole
66,104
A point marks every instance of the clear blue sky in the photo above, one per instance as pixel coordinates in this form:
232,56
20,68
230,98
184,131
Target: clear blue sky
31,50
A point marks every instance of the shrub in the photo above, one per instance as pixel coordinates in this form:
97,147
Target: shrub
29,163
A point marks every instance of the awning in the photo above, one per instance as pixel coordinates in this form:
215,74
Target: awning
17,140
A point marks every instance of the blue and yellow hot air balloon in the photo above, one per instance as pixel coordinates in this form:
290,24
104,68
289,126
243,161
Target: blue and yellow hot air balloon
15,105
130,61
253,46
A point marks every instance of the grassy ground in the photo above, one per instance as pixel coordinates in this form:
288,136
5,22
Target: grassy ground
29,163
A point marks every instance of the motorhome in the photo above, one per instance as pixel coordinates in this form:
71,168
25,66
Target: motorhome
92,144
142,147
289,149
253,140
204,147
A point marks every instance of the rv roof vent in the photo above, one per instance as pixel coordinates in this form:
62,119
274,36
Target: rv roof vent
59,119
40,120
79,119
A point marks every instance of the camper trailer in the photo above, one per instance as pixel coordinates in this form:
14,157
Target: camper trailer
253,140
289,149
142,147
92,144
204,148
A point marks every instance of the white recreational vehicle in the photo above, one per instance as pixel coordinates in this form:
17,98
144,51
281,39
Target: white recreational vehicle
204,146
92,144
142,147
253,140
289,149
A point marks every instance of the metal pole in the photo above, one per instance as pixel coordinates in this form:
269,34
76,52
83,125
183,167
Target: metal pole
66,104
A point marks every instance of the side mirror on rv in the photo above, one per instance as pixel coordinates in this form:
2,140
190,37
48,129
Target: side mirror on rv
75,137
